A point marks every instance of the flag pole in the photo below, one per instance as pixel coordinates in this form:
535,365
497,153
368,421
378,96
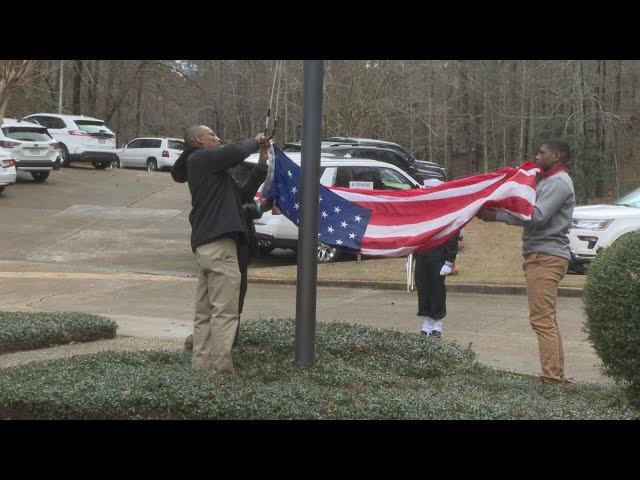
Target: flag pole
308,238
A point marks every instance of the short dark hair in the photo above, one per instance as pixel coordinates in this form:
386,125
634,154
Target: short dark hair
557,145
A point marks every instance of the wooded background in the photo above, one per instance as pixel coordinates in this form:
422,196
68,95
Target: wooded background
468,116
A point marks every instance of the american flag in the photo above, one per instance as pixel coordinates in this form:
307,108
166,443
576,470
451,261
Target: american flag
385,223
340,222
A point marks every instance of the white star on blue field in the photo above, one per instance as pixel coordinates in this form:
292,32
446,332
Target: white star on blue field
341,222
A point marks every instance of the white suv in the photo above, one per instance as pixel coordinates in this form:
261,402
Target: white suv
598,226
7,169
151,153
274,230
34,150
82,139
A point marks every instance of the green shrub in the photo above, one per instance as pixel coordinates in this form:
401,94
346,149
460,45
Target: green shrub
360,373
28,331
612,307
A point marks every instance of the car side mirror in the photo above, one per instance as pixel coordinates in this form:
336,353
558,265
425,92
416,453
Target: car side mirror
432,182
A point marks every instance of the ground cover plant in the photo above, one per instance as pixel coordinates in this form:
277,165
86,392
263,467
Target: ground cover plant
31,330
360,373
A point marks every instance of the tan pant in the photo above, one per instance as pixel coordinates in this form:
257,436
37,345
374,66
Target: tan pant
216,318
543,273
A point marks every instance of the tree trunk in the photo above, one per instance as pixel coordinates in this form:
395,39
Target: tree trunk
618,92
4,101
139,105
485,120
522,120
446,134
430,113
93,89
78,71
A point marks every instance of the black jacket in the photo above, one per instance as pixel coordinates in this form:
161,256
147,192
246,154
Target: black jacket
446,251
215,197
248,189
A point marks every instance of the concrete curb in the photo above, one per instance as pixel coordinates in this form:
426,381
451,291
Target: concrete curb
452,287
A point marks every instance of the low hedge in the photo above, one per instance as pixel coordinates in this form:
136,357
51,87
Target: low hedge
612,310
360,373
28,330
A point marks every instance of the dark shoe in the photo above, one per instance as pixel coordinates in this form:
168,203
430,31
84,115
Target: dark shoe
423,333
435,334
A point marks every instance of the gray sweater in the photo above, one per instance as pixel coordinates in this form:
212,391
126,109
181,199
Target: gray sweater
550,222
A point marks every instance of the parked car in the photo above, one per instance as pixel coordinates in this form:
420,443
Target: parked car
274,230
7,169
33,148
597,226
151,153
424,169
387,155
82,139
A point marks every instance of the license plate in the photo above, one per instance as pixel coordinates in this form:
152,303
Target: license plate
33,151
102,140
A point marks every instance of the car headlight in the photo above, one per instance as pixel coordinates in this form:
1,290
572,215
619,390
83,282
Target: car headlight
591,224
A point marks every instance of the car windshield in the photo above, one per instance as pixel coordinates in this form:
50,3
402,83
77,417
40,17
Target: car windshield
631,199
27,134
92,126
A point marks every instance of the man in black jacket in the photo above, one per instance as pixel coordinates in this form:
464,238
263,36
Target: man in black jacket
248,188
432,267
217,228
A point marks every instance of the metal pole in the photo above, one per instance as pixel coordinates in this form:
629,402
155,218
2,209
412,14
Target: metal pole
308,238
61,80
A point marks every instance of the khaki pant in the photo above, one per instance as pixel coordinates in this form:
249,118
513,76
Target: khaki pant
543,273
216,318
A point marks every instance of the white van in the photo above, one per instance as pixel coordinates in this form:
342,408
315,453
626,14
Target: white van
34,150
152,153
82,139
274,230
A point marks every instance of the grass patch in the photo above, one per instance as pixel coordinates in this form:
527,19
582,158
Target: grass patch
360,373
29,331
492,254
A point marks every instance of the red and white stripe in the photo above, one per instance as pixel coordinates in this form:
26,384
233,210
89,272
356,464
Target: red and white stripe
417,220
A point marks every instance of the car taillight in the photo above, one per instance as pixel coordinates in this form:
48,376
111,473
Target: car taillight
79,133
275,211
8,163
165,153
56,145
7,144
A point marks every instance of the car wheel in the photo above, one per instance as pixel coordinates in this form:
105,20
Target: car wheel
100,165
327,253
115,163
2,189
65,159
40,177
579,268
152,165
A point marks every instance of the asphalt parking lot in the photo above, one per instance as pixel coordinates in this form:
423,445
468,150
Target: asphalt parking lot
125,219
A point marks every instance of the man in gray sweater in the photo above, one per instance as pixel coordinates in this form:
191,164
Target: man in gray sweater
545,247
